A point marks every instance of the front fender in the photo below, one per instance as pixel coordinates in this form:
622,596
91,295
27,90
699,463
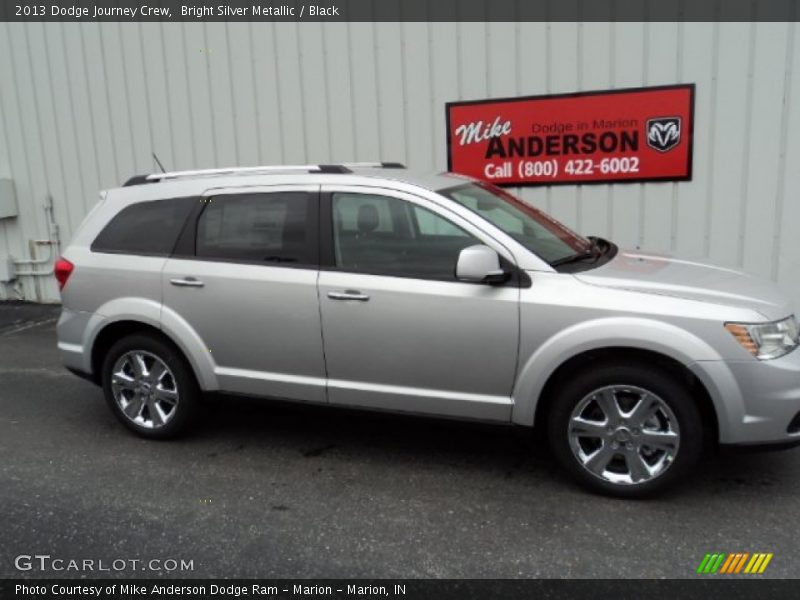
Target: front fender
611,332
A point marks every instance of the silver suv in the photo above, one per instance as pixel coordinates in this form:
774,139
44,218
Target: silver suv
367,286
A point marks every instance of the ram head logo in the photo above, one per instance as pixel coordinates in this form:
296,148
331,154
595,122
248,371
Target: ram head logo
663,133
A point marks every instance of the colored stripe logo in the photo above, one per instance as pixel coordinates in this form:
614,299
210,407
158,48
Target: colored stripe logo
735,563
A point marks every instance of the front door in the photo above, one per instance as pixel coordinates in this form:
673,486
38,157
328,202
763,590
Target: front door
400,332
247,284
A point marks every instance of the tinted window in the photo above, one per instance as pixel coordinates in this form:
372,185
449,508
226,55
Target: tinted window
263,228
388,236
148,228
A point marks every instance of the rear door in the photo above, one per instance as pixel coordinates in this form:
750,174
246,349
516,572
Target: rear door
244,277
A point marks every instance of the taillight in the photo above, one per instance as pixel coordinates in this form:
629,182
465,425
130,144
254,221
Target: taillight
63,269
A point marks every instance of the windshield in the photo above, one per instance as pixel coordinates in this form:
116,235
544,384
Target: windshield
537,231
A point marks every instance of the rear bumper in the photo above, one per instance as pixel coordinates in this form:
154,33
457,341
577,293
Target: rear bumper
755,400
71,329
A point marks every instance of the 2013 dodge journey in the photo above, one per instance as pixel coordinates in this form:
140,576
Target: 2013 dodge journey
364,285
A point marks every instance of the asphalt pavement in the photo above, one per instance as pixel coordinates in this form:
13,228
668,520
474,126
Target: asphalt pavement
265,489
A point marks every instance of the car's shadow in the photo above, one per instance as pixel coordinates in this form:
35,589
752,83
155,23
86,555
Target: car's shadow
319,429
233,423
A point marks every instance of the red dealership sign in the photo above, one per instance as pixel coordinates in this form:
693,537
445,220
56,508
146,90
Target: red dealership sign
638,134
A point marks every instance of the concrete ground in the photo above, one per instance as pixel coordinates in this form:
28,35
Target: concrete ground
275,490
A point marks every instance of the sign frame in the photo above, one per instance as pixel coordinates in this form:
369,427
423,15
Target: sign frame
688,133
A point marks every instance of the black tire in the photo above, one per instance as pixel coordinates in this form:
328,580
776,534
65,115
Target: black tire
675,394
180,377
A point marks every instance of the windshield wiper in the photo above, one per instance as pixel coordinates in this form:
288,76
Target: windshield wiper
594,251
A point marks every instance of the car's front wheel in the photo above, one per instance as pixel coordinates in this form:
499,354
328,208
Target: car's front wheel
626,429
149,386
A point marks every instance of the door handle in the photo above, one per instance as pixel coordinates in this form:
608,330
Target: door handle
348,295
187,282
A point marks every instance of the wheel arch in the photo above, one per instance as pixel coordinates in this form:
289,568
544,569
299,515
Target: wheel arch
175,331
114,331
628,355
624,338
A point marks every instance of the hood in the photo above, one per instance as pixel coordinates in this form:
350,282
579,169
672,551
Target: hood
667,276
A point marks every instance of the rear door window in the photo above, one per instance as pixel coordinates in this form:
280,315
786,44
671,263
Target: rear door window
277,228
146,228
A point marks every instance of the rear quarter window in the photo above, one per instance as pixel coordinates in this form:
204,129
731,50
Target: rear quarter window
146,228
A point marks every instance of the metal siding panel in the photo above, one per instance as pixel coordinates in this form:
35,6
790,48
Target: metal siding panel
267,94
179,95
22,131
52,150
290,88
156,96
31,183
364,93
595,74
765,135
81,114
698,65
730,138
5,171
203,128
501,59
788,256
109,172
533,67
71,156
474,65
221,95
444,79
242,90
563,67
391,91
135,90
418,110
314,82
112,90
628,67
339,100
661,69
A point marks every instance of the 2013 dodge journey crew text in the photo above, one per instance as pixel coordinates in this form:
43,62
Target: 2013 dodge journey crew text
364,285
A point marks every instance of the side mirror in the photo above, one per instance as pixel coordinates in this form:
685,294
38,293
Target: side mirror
480,264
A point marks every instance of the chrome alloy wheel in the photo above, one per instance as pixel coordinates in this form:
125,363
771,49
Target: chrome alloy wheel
144,389
624,434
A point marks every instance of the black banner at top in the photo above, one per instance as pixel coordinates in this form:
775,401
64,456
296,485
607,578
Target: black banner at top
399,10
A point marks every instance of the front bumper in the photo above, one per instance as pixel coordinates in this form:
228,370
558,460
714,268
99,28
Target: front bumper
755,400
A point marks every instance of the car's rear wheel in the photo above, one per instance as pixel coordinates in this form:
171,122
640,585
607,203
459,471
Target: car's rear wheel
626,430
149,386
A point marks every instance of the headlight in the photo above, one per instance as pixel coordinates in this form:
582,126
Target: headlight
766,340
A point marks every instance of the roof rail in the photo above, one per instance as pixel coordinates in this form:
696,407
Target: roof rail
230,171
332,168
